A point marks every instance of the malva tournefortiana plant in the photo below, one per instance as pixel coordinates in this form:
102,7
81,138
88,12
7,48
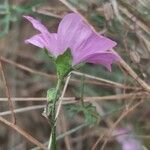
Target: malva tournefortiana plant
74,43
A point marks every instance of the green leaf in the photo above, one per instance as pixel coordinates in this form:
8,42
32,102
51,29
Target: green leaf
64,64
51,94
91,116
87,110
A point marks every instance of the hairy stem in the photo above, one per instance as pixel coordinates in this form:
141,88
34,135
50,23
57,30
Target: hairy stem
52,140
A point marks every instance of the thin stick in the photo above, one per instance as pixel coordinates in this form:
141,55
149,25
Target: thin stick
27,68
134,75
46,12
96,143
23,133
23,109
62,96
69,132
71,100
10,103
64,128
132,13
98,79
69,5
50,76
68,100
133,18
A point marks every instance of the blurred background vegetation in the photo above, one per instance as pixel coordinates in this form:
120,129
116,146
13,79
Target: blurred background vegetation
125,21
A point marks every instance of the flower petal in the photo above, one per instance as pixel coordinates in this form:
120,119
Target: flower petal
72,32
37,24
105,59
50,43
94,44
126,138
36,40
45,39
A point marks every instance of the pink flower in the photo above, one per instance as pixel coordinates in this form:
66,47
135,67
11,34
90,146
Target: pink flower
126,138
74,33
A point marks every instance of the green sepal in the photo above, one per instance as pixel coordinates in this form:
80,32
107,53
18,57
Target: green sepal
64,64
51,96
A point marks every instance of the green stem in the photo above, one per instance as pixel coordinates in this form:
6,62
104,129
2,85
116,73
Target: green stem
52,141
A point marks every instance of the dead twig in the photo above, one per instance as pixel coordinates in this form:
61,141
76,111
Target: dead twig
134,75
46,12
23,133
27,68
23,109
72,100
64,127
125,96
62,96
104,82
10,103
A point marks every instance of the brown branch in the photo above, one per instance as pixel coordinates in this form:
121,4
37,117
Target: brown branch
134,75
68,100
26,68
103,82
22,109
134,19
64,128
23,133
46,12
10,103
108,82
131,11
